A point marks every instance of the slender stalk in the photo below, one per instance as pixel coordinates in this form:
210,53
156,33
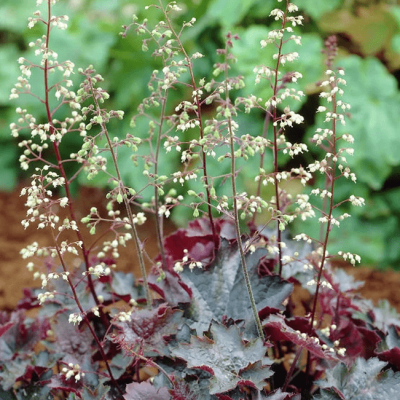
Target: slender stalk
126,203
329,224
76,298
292,368
235,208
262,155
275,147
133,226
153,363
199,118
158,218
135,234
331,178
62,170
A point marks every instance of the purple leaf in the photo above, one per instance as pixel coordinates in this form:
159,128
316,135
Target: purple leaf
227,357
198,240
365,380
220,289
4,328
68,385
171,288
277,329
182,391
392,355
145,391
74,343
148,328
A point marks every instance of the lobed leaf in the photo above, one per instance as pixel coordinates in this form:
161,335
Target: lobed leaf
220,290
145,391
365,380
227,358
148,330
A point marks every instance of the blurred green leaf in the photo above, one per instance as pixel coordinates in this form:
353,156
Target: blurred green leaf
14,14
368,238
316,9
228,12
9,70
375,119
8,166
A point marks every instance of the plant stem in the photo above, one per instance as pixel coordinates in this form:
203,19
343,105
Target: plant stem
61,167
130,217
199,118
275,147
292,368
126,202
262,155
159,228
100,347
331,179
235,208
275,153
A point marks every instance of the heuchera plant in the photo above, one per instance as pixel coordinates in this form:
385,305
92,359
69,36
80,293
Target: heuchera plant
218,316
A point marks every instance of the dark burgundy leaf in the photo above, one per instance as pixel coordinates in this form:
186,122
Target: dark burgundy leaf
145,391
392,355
73,342
223,397
4,328
198,240
358,340
277,329
148,329
68,385
223,228
200,248
32,373
21,336
29,300
171,288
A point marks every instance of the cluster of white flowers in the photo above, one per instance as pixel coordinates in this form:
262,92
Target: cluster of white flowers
73,371
357,201
294,149
39,198
124,316
171,141
250,205
99,270
75,318
66,247
182,177
187,261
304,237
50,276
42,297
313,282
352,258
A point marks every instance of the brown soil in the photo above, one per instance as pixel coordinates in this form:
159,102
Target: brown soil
13,272
15,277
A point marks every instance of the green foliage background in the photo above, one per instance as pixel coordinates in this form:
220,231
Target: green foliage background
369,39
